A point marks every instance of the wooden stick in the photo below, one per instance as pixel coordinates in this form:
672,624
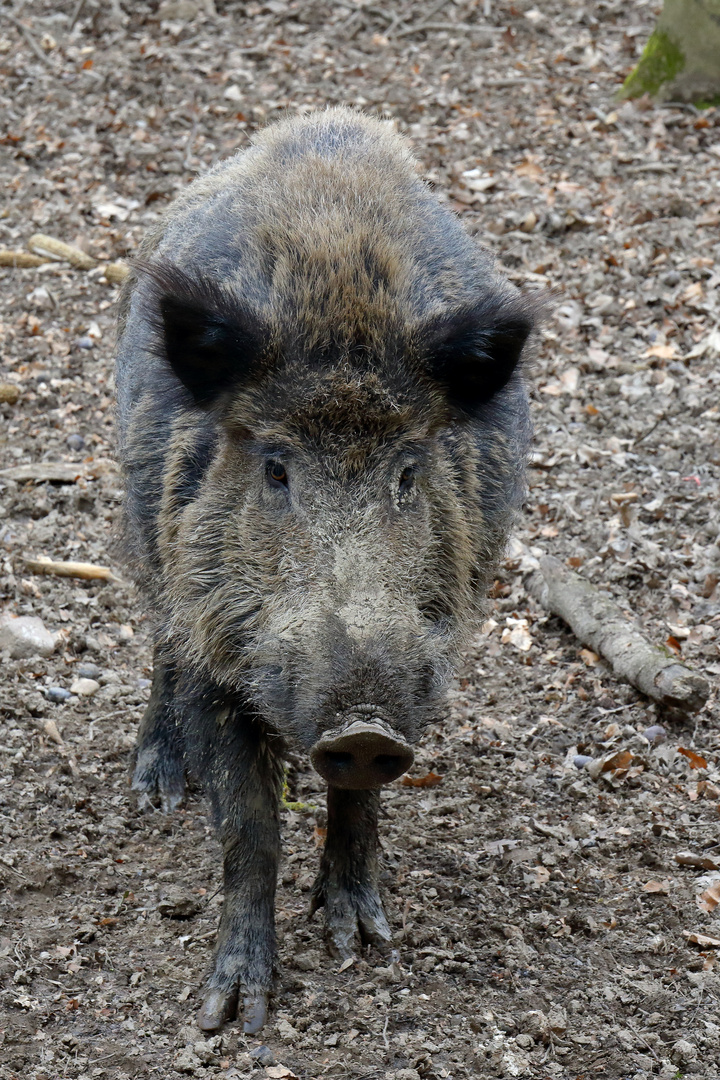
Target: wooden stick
20,258
56,249
598,622
87,571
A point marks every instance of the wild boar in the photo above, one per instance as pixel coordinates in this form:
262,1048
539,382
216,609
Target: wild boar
323,427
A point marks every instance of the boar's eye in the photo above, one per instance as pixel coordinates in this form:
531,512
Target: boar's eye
407,480
277,474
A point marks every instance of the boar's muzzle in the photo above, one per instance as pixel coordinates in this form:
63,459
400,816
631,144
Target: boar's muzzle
362,754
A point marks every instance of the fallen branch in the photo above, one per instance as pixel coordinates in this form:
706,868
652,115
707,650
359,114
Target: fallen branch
56,249
85,570
598,622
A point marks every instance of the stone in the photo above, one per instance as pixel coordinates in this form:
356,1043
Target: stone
683,1052
75,441
24,636
87,671
84,687
263,1055
57,694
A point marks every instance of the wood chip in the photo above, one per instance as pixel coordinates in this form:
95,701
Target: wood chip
116,272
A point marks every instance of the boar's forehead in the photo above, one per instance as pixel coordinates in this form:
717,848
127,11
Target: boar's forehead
353,416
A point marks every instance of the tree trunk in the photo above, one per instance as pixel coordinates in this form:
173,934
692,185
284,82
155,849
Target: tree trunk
681,61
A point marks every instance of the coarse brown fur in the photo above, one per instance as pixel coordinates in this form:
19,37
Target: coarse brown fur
307,309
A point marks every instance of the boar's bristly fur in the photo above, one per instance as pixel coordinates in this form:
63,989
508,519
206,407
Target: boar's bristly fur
323,428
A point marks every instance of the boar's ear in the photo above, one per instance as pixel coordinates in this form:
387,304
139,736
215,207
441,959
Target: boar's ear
473,352
210,339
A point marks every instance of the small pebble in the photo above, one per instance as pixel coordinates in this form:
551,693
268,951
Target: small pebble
581,760
143,684
263,1055
87,671
126,633
84,343
671,278
84,687
75,441
57,694
655,734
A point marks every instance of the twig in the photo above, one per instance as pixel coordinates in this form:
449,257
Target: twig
649,430
30,40
598,622
77,13
84,570
461,28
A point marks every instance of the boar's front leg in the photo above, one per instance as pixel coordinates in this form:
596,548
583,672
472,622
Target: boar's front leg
347,885
242,771
159,762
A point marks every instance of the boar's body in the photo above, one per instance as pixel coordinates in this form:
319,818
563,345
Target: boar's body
323,427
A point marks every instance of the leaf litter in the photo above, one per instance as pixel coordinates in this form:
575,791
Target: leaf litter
614,209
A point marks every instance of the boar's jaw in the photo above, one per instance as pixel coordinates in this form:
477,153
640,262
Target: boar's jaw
362,754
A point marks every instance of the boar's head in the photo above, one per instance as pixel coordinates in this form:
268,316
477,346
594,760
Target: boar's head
354,461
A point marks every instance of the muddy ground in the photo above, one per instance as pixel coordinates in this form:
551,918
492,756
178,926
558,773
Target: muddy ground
545,926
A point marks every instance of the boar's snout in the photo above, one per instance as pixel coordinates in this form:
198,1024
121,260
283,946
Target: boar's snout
363,754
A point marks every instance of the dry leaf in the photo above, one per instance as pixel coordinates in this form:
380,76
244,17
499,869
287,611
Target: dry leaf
588,657
673,644
663,352
662,888
696,761
542,876
702,939
431,779
346,964
621,760
280,1072
709,900
702,862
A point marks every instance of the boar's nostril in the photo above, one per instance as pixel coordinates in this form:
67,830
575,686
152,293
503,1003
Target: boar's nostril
361,755
339,760
389,764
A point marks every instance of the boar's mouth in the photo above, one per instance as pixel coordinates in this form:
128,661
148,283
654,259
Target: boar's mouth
361,754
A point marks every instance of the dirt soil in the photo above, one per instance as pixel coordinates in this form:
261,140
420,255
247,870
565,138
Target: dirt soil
548,923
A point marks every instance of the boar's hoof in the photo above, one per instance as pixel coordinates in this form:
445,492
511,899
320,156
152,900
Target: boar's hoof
254,1013
221,1005
218,1007
157,782
349,913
